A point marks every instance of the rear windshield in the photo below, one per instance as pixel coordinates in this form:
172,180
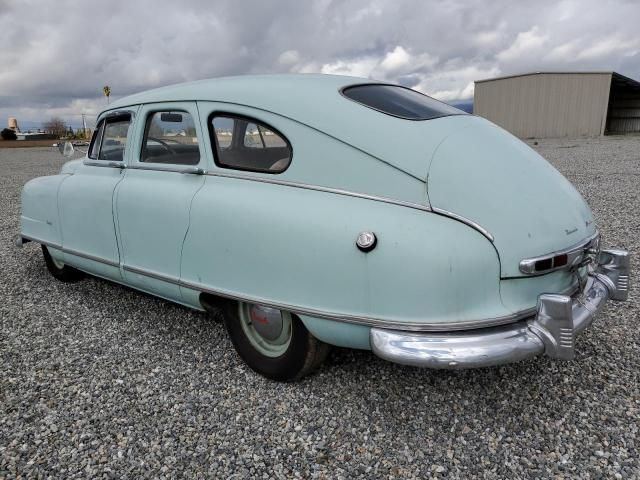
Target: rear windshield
400,102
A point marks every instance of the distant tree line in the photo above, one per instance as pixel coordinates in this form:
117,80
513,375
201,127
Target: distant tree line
55,126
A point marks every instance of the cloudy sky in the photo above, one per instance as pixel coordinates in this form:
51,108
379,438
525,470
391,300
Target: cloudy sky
56,56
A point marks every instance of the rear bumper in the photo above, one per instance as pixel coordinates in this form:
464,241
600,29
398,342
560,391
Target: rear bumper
552,330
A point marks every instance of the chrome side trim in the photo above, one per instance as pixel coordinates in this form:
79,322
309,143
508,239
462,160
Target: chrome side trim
71,251
353,319
318,188
152,274
366,321
41,241
574,256
464,220
105,163
88,256
168,168
252,178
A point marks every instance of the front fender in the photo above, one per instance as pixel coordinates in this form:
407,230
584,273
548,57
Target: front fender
70,167
39,219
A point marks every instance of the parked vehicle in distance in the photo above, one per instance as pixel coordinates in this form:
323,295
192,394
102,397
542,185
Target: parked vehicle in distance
323,210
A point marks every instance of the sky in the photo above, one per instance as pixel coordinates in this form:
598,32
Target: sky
56,56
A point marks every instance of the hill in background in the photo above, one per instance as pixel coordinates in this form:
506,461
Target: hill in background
465,106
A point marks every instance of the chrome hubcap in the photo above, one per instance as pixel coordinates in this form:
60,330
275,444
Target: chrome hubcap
268,329
267,321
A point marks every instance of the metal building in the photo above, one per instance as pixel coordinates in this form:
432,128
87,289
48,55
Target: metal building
560,104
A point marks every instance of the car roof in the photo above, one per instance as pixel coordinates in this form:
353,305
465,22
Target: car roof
260,91
315,100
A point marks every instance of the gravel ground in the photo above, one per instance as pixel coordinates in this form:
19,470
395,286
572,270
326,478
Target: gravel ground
97,380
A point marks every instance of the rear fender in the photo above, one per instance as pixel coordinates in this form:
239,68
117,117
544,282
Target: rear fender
295,249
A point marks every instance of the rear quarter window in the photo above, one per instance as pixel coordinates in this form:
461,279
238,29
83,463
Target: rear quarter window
399,101
243,143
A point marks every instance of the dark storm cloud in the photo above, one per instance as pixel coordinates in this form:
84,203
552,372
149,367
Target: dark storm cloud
56,56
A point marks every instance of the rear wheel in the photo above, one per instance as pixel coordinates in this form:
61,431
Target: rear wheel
58,269
273,342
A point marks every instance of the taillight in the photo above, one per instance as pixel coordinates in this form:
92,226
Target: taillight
570,258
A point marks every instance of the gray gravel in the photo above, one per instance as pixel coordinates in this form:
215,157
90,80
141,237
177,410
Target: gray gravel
97,380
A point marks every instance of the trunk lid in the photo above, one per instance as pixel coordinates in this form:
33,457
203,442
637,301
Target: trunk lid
486,175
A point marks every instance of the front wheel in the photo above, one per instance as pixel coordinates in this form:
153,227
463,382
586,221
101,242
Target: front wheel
273,342
59,270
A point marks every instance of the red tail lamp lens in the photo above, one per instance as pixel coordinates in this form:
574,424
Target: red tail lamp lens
560,260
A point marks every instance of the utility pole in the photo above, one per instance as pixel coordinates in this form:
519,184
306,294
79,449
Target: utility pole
84,126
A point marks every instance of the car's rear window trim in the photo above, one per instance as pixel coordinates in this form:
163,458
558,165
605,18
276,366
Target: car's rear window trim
347,87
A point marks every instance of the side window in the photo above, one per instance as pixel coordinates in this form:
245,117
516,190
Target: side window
170,137
114,139
246,144
96,140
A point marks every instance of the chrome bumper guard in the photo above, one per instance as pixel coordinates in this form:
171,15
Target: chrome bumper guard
552,331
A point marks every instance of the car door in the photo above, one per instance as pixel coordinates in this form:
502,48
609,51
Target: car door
85,199
153,201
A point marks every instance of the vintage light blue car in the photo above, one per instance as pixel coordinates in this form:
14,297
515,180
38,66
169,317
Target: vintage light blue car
325,210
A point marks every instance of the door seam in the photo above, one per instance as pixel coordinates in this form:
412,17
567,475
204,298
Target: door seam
186,233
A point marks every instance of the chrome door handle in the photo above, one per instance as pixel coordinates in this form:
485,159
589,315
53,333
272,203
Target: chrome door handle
193,171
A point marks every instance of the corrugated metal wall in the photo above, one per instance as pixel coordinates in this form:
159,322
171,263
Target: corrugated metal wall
624,111
546,104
